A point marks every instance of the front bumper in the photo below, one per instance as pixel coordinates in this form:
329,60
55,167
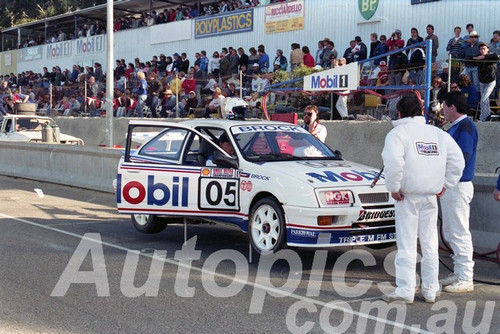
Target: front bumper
303,230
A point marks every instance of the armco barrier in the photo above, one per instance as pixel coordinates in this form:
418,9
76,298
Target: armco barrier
79,166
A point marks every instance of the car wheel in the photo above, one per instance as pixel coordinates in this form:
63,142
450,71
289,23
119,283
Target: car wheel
148,223
266,228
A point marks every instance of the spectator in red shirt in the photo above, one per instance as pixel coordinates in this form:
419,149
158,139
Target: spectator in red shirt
189,84
308,59
395,41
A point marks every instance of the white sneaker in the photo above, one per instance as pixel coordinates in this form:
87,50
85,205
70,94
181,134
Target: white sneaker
451,279
393,297
428,297
460,286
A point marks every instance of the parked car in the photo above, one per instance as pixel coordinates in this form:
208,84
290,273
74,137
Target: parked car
281,185
28,128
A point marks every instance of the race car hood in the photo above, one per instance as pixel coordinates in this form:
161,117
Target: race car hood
324,173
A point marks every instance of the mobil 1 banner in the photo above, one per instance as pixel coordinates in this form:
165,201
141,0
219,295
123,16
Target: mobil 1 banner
339,78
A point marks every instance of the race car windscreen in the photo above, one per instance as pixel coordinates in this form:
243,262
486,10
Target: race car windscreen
262,143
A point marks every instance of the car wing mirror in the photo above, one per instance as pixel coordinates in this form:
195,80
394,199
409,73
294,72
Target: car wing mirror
338,153
224,161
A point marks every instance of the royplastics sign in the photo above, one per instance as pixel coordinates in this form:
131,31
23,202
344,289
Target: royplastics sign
339,78
226,23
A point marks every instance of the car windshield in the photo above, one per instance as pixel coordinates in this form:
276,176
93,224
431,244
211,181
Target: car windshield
263,143
33,124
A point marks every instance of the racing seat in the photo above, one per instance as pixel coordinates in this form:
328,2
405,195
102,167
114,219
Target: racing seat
205,151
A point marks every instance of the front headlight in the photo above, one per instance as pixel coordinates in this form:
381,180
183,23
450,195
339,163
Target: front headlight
337,198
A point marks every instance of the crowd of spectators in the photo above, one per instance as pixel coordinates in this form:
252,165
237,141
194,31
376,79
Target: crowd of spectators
174,85
145,19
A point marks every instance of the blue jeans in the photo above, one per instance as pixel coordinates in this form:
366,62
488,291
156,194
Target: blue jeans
486,89
140,104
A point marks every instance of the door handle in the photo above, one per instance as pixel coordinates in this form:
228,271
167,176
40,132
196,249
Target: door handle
133,171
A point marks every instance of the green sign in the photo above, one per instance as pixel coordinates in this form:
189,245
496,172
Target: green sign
367,8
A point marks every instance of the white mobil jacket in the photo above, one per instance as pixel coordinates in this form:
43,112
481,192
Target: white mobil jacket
420,158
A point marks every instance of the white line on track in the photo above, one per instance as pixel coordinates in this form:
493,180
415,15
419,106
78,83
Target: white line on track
231,278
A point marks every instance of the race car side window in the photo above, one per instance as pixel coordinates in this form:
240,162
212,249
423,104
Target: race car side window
168,145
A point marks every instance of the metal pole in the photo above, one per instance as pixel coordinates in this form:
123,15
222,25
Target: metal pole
109,74
85,94
241,84
331,106
50,99
18,38
428,74
176,96
449,72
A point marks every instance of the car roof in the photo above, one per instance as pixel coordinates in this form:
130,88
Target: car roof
221,123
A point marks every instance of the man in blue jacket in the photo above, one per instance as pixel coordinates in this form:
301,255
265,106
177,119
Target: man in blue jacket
455,203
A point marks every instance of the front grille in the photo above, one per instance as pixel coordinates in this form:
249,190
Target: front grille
374,198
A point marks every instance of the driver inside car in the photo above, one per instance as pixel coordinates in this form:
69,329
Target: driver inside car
226,145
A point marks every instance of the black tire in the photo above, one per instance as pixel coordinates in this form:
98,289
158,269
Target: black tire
266,227
148,223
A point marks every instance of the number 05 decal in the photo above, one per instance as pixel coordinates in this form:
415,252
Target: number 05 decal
219,194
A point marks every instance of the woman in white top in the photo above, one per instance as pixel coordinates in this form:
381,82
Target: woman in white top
214,64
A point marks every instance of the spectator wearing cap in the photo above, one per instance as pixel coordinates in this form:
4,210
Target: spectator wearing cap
466,40
169,104
191,103
471,50
255,68
296,56
360,51
435,41
395,41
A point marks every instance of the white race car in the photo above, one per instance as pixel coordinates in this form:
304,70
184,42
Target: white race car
28,128
282,185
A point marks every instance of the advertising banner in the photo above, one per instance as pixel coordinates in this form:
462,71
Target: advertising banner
58,50
90,45
31,53
226,23
339,78
285,16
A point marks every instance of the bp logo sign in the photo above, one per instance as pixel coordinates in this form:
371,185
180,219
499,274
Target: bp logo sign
367,8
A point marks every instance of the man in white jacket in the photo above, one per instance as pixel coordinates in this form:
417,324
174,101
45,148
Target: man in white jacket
420,162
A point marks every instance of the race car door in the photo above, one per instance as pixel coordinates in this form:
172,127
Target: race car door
164,176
